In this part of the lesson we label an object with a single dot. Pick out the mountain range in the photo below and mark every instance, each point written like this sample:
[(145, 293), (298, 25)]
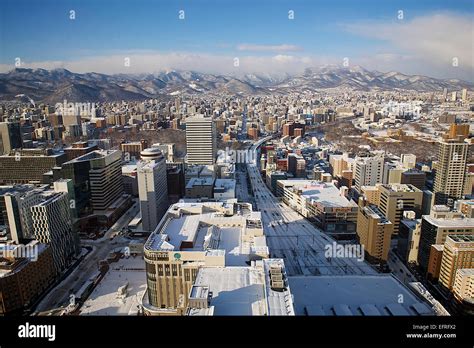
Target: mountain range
[(52, 86)]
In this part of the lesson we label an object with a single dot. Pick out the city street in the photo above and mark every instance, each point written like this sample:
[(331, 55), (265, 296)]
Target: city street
[(293, 238)]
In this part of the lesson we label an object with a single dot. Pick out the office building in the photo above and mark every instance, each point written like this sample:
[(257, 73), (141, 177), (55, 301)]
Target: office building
[(437, 226), (15, 216), (409, 238), (458, 254), (10, 137), (52, 225), (368, 171), (200, 140), (463, 287), (397, 198), (78, 149), (152, 188), (105, 177), (200, 188), (26, 271), (194, 235), (131, 150), (374, 232), (28, 165), (450, 170), (322, 203)]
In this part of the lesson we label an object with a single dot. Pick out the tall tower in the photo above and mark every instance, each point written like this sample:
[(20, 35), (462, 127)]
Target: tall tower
[(369, 171), (450, 170), (52, 224), (152, 187), (200, 140)]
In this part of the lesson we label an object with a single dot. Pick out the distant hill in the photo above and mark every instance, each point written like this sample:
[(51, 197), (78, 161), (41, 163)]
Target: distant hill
[(52, 86)]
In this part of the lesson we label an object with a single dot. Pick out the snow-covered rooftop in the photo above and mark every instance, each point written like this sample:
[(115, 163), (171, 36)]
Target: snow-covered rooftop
[(379, 295), (104, 301)]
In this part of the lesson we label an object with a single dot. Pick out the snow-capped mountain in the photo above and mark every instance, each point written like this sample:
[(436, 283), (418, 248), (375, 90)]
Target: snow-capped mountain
[(56, 85)]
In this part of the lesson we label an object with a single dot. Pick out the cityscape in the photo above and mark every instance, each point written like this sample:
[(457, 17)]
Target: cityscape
[(170, 159)]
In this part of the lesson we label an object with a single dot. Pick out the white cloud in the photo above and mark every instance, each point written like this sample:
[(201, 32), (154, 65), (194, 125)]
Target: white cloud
[(148, 62), (270, 48), (426, 44)]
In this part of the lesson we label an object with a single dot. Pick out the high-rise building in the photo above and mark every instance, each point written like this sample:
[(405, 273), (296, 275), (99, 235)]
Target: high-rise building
[(450, 170), (52, 224), (15, 215), (437, 226), (10, 137), (409, 238), (204, 236), (464, 94), (374, 232), (397, 198), (454, 96), (337, 164), (458, 254), (105, 177), (24, 275), (368, 171), (408, 160), (28, 165), (152, 187), (463, 287), (200, 140)]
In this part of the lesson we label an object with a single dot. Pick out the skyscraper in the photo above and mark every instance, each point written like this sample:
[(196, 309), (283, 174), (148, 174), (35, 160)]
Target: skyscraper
[(200, 140), (152, 187), (105, 177), (374, 232), (458, 254), (368, 171), (52, 224), (10, 137), (397, 198), (450, 170)]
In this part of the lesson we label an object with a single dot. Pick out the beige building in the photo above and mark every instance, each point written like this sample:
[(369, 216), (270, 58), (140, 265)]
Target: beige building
[(435, 228), (194, 235), (450, 170), (338, 164), (394, 199), (464, 284), (434, 263), (374, 232), (321, 202), (458, 253)]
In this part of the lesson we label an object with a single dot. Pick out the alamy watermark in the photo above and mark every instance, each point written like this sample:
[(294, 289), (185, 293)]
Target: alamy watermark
[(28, 251), (74, 109), (236, 156), (353, 251)]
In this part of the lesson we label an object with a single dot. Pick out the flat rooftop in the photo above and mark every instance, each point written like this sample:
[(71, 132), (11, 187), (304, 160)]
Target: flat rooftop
[(316, 191), (103, 300), (454, 223), (190, 226), (235, 290), (355, 296), (400, 188), (204, 181)]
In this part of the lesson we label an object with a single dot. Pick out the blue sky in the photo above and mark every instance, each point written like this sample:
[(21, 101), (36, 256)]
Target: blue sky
[(105, 31)]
